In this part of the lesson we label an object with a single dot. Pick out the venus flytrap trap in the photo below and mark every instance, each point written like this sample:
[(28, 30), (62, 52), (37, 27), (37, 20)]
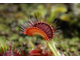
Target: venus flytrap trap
[(65, 17), (40, 50), (36, 27), (11, 51), (41, 11), (55, 10)]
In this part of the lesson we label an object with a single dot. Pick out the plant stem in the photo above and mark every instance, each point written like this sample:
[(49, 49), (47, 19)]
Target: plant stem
[(53, 48), (32, 45)]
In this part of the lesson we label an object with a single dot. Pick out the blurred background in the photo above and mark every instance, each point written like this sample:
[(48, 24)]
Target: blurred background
[(67, 15)]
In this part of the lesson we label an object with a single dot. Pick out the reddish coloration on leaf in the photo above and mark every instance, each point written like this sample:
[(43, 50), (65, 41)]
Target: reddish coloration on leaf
[(36, 52), (33, 31), (46, 28), (41, 28), (10, 52), (40, 52)]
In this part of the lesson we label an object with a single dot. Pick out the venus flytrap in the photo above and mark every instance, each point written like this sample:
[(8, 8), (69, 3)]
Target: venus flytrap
[(11, 51), (55, 12), (35, 27)]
